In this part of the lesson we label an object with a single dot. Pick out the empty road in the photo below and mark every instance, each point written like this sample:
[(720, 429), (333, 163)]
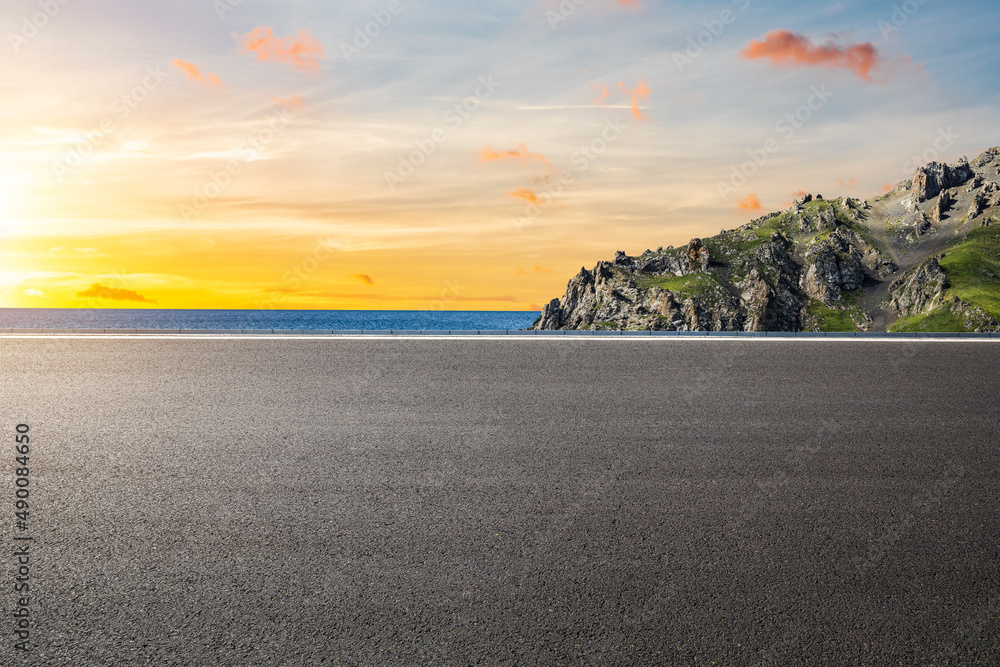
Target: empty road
[(256, 501)]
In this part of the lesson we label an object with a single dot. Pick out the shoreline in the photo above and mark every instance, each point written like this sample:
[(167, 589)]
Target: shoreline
[(494, 334)]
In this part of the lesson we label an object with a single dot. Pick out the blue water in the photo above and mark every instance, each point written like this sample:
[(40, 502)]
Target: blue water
[(422, 320)]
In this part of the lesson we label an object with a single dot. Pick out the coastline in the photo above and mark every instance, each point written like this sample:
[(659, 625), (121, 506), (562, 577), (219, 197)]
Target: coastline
[(522, 333)]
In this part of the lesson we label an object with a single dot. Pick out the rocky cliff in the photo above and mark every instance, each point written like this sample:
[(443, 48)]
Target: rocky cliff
[(923, 257)]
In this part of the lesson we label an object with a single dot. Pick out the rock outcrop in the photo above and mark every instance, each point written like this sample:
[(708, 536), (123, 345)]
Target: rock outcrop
[(919, 290), (698, 255), (755, 283), (978, 205), (942, 206), (930, 180), (768, 284), (923, 290), (819, 265)]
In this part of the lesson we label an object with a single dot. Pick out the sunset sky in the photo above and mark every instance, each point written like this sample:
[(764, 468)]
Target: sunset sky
[(458, 156)]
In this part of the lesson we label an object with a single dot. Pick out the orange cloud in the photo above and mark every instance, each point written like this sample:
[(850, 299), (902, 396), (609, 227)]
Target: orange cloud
[(784, 47), (99, 291), (603, 93), (799, 194), (641, 92), (888, 187), (526, 195), (535, 269), (520, 152), (193, 72), (302, 51), (852, 183), (364, 277), (293, 102), (750, 203)]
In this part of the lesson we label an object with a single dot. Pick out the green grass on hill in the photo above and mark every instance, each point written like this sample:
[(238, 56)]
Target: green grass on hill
[(695, 284), (818, 237), (973, 269), (941, 320), (817, 205), (831, 320)]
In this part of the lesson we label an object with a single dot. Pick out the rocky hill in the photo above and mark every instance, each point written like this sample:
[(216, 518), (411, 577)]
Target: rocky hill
[(924, 257)]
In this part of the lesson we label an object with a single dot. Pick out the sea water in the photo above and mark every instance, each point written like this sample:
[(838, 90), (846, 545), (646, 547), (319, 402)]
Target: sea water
[(411, 320)]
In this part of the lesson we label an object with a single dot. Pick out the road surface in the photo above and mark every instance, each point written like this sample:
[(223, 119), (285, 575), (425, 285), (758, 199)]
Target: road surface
[(242, 501)]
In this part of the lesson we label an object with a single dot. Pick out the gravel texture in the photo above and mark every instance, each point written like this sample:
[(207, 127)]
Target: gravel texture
[(515, 502)]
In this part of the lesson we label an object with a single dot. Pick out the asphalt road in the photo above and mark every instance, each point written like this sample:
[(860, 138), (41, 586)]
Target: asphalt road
[(515, 502)]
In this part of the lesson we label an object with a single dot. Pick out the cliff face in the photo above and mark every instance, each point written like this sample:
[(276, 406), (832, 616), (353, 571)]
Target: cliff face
[(821, 265)]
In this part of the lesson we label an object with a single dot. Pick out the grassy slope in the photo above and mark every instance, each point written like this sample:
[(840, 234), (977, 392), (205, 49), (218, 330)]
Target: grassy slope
[(729, 245), (939, 321), (973, 269), (831, 320), (695, 284), (825, 319), (972, 266)]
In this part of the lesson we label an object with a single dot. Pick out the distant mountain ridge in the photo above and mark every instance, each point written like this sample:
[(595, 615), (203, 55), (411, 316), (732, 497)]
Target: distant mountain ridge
[(923, 257)]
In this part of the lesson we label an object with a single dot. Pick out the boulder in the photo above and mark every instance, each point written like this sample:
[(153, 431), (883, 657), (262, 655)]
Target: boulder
[(931, 179), (919, 290), (551, 317), (978, 205), (699, 255), (832, 265), (941, 207), (799, 203), (975, 183)]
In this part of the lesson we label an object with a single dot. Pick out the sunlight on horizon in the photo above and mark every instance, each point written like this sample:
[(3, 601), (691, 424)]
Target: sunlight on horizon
[(257, 160)]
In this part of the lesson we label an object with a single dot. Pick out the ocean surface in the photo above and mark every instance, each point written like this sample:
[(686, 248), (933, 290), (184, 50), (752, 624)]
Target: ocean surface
[(411, 320)]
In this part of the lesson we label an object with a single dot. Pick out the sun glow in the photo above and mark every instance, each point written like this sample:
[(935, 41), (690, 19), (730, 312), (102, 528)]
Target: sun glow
[(6, 210), (5, 199), (8, 199)]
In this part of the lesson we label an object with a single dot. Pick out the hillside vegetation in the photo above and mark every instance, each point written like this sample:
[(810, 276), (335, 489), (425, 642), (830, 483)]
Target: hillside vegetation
[(924, 257)]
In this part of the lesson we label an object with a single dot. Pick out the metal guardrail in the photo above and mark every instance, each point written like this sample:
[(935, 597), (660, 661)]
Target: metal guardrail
[(529, 333)]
